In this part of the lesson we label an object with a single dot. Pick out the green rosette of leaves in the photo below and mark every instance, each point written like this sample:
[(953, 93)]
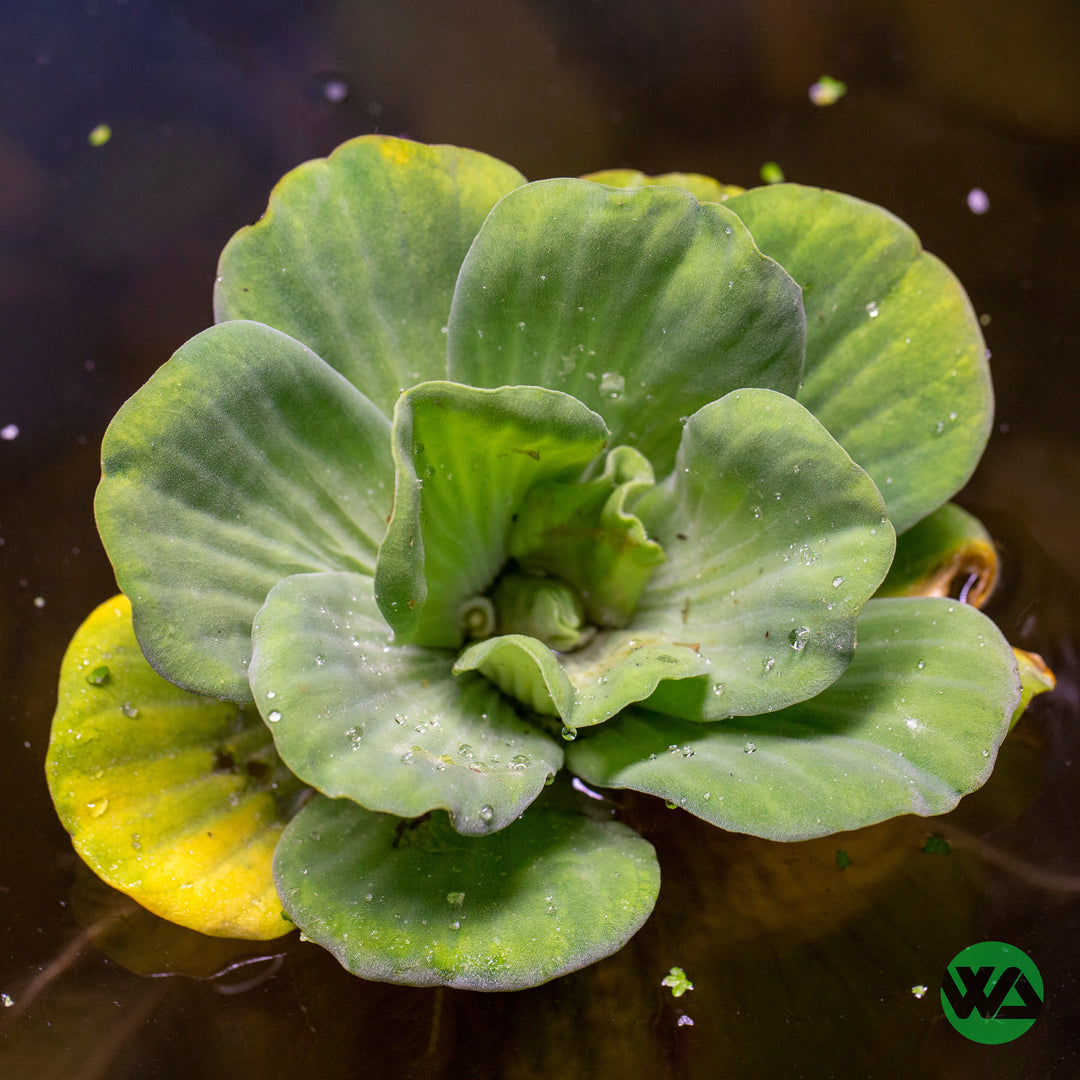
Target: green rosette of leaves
[(474, 480)]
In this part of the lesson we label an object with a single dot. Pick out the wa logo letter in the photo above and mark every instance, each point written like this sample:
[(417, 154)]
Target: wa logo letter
[(991, 992)]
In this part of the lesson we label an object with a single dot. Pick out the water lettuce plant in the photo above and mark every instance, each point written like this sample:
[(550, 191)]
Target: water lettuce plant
[(482, 495)]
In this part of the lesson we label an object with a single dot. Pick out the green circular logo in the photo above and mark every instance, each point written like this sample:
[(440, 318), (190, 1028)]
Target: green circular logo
[(991, 992)]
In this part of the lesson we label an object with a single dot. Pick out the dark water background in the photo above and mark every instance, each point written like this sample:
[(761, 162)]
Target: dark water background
[(107, 257)]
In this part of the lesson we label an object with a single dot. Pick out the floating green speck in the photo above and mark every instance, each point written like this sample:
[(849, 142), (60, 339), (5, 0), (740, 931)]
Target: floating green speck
[(771, 173), (843, 859), (100, 135), (936, 845), (99, 676), (677, 981), (827, 91)]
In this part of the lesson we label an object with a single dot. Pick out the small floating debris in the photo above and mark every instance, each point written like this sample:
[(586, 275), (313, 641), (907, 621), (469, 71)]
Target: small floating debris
[(677, 982), (100, 135), (827, 91), (771, 173), (332, 87), (978, 201), (99, 676)]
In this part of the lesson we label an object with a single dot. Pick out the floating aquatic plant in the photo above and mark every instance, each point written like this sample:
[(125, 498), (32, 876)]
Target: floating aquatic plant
[(477, 484)]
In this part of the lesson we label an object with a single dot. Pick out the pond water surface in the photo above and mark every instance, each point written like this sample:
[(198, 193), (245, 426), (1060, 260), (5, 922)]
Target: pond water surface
[(107, 256)]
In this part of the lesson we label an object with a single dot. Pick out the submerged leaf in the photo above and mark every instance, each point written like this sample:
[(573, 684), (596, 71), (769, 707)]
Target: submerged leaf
[(174, 799), (384, 724), (912, 725), (644, 304), (415, 902), (148, 945)]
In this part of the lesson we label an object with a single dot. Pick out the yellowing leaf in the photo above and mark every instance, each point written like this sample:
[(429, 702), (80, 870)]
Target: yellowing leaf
[(175, 799)]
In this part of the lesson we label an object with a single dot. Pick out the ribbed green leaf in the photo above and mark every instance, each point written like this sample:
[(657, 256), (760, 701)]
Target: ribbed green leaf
[(644, 304), (912, 725), (417, 903), (358, 253), (774, 540), (896, 365), (588, 535), (388, 725), (244, 459), (589, 685), (465, 459)]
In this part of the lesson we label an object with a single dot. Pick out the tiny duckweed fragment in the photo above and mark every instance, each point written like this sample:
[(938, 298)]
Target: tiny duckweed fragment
[(843, 859), (936, 845), (827, 91), (771, 173), (99, 676), (677, 982)]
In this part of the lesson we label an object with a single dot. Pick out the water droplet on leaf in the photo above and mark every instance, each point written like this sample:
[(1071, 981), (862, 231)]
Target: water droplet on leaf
[(611, 382)]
